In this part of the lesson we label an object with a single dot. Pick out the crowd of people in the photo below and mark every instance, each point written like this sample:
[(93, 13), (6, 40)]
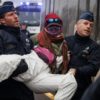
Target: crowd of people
[(48, 61)]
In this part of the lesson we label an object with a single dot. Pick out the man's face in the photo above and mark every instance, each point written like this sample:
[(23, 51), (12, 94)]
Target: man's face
[(84, 27), (11, 19)]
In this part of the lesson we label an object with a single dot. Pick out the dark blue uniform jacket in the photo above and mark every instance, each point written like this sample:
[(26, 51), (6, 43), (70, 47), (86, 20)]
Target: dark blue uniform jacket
[(12, 41), (85, 57)]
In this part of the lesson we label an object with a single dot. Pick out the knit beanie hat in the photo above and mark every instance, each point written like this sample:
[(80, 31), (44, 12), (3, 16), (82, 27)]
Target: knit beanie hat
[(52, 18)]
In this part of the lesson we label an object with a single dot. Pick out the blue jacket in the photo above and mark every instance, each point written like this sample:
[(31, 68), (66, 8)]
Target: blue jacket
[(85, 58), (13, 41)]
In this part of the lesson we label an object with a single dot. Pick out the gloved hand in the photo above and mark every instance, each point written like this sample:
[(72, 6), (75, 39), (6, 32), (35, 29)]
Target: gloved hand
[(21, 68)]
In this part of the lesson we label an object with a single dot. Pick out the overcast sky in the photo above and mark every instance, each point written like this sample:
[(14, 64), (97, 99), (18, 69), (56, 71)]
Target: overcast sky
[(17, 2)]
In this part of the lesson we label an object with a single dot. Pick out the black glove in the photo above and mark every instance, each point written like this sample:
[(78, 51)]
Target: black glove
[(84, 53), (21, 68)]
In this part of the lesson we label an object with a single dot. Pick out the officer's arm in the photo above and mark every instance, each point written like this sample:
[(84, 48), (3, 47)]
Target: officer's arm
[(21, 68), (7, 71), (93, 65)]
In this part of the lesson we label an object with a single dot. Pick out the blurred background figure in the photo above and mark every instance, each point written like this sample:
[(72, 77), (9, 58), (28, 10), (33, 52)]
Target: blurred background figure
[(24, 29)]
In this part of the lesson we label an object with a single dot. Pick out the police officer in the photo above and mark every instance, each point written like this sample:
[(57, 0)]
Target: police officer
[(12, 41), (24, 29), (85, 53)]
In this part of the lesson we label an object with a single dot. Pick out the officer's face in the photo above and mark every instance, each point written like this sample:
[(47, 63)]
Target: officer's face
[(84, 27), (11, 19)]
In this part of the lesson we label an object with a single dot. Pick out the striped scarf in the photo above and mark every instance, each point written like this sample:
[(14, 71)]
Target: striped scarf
[(58, 46)]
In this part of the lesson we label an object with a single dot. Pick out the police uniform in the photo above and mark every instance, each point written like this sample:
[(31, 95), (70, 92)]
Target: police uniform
[(14, 42), (85, 58)]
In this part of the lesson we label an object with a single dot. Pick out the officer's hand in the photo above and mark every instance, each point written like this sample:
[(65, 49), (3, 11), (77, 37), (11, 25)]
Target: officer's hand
[(21, 68)]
